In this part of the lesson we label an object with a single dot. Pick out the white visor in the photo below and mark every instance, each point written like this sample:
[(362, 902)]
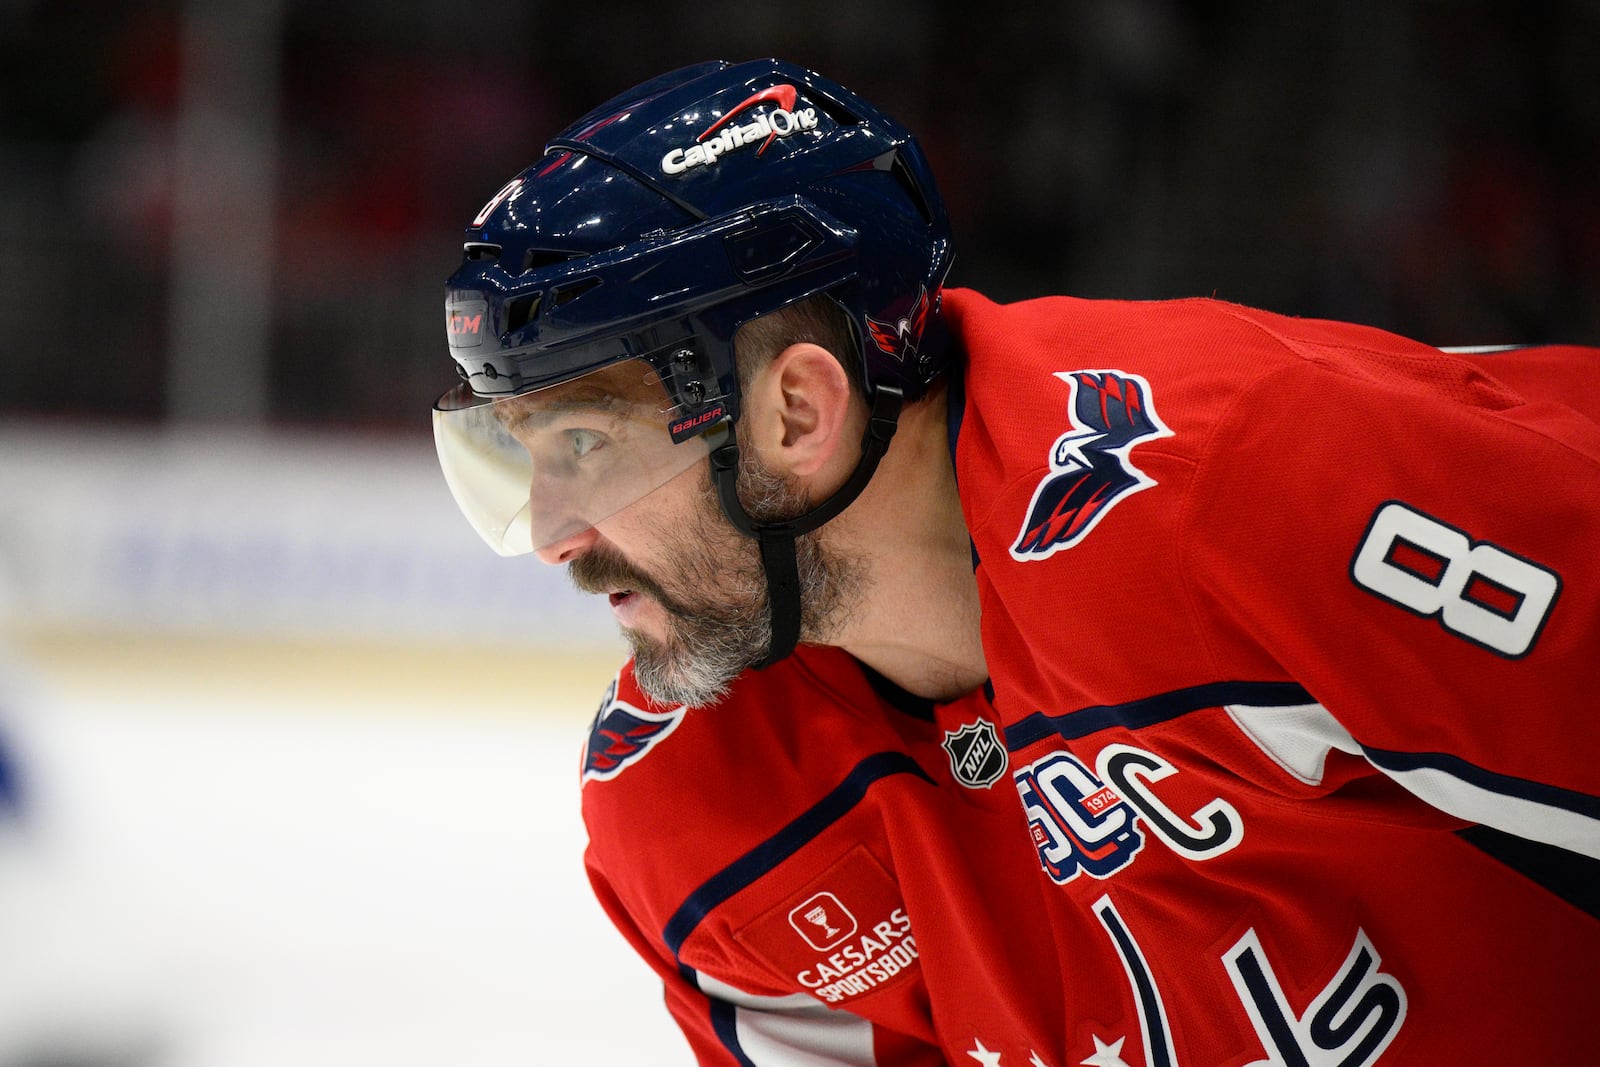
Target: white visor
[(531, 470)]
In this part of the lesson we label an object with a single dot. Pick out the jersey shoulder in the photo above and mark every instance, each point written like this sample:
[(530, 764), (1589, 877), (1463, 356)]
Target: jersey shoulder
[(1061, 385), (672, 795)]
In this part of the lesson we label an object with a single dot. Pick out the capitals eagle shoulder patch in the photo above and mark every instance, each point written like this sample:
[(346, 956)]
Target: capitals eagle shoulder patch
[(1090, 468), (622, 734)]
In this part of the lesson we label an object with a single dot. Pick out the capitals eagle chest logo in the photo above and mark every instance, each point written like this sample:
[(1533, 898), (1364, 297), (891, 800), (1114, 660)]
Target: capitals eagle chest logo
[(622, 734), (1090, 469)]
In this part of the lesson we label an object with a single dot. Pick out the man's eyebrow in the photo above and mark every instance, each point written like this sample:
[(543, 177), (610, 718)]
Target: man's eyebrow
[(524, 411)]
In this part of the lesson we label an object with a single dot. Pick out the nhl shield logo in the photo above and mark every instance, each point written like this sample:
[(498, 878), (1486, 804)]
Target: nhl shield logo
[(977, 758)]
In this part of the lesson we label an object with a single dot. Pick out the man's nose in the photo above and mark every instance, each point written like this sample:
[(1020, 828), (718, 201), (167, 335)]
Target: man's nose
[(569, 546)]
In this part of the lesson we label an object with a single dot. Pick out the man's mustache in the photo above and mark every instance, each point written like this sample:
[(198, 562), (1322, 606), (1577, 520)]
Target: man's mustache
[(596, 571)]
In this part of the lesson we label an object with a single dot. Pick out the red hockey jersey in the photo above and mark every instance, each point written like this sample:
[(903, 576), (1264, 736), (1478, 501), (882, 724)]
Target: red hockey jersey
[(1293, 635), (1294, 632), (821, 869)]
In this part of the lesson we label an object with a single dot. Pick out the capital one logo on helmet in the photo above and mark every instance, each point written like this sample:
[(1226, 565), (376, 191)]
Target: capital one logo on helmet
[(784, 120)]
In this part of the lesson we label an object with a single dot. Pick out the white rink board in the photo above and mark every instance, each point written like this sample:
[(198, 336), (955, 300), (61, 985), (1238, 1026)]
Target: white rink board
[(262, 533)]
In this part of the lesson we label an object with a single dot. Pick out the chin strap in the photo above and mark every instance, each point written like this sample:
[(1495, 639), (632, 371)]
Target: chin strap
[(776, 537)]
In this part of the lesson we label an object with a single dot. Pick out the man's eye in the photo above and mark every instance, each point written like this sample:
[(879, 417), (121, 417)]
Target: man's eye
[(584, 441)]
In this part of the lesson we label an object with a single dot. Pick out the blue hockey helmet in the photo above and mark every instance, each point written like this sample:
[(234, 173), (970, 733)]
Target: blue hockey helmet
[(666, 218), (592, 320)]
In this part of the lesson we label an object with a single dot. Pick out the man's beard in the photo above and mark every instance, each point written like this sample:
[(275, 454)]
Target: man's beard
[(719, 623)]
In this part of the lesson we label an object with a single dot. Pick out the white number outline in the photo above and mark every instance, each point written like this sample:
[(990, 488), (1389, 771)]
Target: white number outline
[(1512, 637)]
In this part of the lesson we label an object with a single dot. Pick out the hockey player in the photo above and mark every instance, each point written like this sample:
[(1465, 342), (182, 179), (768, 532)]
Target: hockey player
[(1289, 626)]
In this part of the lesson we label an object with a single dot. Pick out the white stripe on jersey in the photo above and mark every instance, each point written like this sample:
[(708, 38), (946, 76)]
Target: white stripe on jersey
[(794, 1031), (1299, 739), (1515, 815)]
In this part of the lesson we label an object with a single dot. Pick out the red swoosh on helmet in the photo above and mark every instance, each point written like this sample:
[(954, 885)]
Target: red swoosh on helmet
[(782, 95)]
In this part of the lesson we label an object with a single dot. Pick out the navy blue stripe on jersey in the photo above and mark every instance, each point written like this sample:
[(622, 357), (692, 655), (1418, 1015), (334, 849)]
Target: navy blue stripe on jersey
[(1551, 796), (955, 410), (725, 1023), (1573, 877), (901, 700), (761, 860), (1152, 1014), (955, 413), (1149, 711)]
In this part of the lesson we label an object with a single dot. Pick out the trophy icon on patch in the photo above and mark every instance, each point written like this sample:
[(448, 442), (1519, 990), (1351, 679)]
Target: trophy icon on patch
[(818, 916), (823, 921)]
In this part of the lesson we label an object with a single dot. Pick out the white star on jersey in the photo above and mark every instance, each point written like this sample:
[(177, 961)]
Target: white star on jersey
[(1106, 1055), (983, 1055)]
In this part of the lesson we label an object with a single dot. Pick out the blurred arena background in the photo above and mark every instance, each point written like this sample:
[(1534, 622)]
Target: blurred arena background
[(287, 759)]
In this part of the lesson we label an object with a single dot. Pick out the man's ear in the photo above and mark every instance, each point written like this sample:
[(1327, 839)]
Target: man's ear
[(799, 407)]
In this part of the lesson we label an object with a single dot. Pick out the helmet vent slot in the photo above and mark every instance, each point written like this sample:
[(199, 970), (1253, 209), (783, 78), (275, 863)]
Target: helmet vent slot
[(534, 258), (481, 250), (834, 109), (902, 172), (571, 291), (520, 310)]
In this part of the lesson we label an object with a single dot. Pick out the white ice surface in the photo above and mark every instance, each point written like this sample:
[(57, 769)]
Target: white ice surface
[(206, 878)]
